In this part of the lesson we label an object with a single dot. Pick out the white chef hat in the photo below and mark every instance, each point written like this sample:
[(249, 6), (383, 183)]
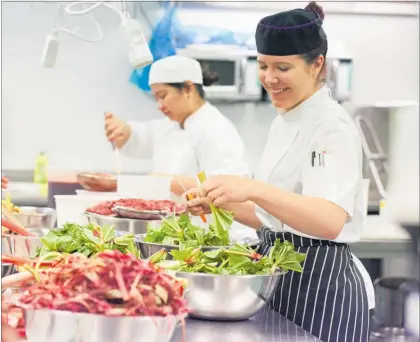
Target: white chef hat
[(176, 69)]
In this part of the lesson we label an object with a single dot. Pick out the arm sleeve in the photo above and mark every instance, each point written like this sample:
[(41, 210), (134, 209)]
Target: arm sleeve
[(223, 152), (332, 169), (140, 144)]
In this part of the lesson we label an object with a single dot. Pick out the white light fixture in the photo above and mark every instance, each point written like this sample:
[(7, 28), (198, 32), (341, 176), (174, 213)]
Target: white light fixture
[(139, 53)]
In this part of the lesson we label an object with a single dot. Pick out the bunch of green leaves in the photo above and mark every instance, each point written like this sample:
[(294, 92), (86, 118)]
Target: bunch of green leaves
[(87, 240), (237, 260), (177, 230), (223, 219)]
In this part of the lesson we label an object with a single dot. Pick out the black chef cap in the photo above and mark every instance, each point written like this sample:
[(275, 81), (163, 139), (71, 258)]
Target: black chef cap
[(292, 32)]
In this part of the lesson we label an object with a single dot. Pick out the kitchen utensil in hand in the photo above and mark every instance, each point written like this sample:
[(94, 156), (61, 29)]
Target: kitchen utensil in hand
[(117, 158), (189, 196)]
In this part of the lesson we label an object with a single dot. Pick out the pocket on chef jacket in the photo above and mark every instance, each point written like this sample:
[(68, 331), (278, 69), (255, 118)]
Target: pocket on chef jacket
[(332, 169)]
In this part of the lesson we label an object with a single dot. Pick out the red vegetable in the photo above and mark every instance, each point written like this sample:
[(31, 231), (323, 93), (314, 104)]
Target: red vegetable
[(112, 284)]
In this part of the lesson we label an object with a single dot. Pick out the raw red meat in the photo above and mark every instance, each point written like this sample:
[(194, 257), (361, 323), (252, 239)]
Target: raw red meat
[(106, 208)]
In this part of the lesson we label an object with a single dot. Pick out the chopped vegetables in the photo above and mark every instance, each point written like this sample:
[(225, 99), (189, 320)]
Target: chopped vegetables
[(180, 230), (87, 240), (237, 260), (110, 283)]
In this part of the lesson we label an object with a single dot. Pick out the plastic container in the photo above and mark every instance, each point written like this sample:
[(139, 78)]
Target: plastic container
[(82, 192), (61, 182), (71, 208), (146, 187)]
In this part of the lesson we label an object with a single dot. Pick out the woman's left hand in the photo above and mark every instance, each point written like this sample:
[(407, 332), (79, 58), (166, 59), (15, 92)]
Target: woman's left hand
[(228, 189), (4, 182)]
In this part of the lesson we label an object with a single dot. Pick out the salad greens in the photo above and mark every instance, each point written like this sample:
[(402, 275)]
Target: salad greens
[(87, 240), (237, 260), (178, 230)]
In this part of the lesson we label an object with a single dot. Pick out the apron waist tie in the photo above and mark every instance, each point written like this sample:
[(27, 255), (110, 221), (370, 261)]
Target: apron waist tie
[(269, 236)]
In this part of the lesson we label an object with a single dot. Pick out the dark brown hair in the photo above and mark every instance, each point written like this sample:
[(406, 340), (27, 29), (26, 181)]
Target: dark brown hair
[(208, 79), (317, 9), (311, 56)]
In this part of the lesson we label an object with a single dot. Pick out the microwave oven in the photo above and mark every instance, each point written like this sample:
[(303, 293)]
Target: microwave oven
[(237, 72)]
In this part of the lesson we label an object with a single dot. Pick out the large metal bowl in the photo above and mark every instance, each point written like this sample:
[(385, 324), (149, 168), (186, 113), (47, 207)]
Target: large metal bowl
[(149, 248), (26, 246), (33, 217), (95, 181), (123, 224), (228, 297), (64, 326)]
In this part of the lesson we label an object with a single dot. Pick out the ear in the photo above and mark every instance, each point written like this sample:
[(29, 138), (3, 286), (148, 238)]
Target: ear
[(189, 87), (318, 64)]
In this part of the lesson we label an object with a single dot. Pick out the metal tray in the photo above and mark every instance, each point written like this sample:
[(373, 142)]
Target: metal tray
[(127, 212)]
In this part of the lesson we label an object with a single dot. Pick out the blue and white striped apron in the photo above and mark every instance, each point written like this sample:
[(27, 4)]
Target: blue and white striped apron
[(328, 299)]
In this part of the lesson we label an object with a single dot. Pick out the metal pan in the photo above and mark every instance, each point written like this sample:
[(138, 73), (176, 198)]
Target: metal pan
[(141, 214)]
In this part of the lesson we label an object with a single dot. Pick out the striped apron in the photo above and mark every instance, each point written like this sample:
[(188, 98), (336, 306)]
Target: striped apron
[(328, 299)]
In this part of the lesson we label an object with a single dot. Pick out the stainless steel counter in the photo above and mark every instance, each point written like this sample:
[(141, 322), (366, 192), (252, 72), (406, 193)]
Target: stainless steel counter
[(266, 326)]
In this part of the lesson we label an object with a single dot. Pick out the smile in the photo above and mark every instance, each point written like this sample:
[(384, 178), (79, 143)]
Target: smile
[(279, 90)]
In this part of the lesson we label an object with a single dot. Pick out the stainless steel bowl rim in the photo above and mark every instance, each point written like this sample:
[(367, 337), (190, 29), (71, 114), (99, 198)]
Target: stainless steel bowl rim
[(140, 239), (114, 218), (230, 276), (15, 300), (40, 211), (31, 230)]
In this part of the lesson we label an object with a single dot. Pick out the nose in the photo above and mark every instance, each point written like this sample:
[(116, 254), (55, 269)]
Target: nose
[(270, 77), (160, 106)]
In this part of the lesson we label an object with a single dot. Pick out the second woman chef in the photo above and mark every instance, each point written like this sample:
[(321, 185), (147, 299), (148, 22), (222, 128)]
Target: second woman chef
[(194, 137), (308, 186)]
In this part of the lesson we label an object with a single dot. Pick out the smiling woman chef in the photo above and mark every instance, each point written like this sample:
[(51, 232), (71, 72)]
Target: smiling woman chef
[(308, 186), (196, 137)]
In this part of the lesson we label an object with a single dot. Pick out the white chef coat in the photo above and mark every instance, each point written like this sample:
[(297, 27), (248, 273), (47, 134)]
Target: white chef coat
[(322, 127), (209, 142)]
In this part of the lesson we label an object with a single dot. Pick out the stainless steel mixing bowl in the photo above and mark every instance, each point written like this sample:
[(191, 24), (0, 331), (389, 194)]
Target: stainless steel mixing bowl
[(33, 217), (228, 297), (26, 246), (149, 248), (64, 326), (122, 224)]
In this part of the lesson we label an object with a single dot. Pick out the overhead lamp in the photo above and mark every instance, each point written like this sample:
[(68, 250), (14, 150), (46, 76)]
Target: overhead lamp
[(139, 54)]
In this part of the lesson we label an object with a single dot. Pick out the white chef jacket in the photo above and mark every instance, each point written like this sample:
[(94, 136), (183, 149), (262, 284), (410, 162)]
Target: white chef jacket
[(209, 142), (315, 150)]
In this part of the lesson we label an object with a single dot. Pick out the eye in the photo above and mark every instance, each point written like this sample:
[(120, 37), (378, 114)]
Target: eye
[(262, 67), (283, 69)]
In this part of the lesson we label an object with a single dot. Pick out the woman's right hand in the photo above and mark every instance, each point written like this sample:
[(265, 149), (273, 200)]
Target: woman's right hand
[(196, 203), (117, 131)]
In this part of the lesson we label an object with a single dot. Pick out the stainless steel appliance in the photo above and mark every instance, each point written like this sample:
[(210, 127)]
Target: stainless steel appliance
[(376, 126), (235, 67), (397, 299)]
